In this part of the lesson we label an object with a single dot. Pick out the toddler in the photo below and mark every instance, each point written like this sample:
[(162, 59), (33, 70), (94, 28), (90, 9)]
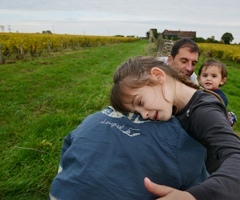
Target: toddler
[(212, 75)]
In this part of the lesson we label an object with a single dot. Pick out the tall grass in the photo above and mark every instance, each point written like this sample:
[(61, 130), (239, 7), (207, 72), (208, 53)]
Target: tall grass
[(44, 99)]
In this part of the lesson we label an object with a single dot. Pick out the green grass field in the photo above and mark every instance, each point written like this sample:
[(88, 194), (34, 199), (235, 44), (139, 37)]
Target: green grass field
[(44, 99)]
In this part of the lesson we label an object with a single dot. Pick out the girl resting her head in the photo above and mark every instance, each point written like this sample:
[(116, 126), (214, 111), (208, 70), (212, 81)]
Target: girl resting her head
[(150, 87)]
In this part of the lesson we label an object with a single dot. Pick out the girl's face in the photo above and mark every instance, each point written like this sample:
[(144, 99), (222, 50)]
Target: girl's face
[(211, 78), (151, 104)]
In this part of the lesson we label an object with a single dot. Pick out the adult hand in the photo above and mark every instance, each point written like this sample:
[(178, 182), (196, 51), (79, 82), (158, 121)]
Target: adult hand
[(165, 192)]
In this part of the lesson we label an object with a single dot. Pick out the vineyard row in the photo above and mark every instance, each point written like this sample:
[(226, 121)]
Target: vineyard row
[(222, 51), (20, 45)]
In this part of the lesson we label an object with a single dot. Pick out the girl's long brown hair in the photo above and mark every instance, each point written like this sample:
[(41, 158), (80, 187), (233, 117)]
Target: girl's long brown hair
[(135, 73)]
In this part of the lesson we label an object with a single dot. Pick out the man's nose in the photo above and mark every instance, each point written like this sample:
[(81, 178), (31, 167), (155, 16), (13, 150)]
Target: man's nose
[(189, 67)]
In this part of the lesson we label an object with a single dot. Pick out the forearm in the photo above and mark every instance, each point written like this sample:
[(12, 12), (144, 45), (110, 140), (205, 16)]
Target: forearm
[(223, 184)]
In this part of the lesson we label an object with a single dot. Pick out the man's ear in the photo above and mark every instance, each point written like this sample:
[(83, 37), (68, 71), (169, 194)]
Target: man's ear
[(158, 74), (170, 60)]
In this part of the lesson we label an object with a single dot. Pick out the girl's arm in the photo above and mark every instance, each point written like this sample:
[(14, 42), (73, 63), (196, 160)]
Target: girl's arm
[(210, 126)]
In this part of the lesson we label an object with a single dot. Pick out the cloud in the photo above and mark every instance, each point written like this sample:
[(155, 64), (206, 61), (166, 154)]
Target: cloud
[(124, 17)]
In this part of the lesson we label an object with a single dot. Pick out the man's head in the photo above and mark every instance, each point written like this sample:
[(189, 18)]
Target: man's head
[(184, 56)]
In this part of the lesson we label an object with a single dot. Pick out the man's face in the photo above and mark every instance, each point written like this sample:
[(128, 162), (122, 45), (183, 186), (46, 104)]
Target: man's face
[(185, 61)]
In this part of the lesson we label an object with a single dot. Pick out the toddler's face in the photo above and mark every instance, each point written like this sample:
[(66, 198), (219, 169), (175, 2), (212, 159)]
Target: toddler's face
[(211, 77)]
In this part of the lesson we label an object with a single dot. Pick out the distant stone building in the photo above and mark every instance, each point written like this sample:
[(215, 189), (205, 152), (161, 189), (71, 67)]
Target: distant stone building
[(178, 34)]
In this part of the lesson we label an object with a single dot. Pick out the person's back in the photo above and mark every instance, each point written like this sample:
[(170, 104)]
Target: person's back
[(107, 157)]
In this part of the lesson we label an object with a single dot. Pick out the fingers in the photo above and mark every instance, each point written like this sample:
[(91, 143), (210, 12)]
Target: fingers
[(159, 190), (165, 192)]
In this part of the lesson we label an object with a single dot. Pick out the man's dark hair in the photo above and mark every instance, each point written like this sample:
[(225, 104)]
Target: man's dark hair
[(184, 42)]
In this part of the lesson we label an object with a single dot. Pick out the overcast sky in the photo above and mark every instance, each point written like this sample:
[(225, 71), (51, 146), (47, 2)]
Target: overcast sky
[(122, 17)]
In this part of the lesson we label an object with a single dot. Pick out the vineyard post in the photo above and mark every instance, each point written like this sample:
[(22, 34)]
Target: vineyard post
[(49, 48), (1, 59), (21, 50)]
